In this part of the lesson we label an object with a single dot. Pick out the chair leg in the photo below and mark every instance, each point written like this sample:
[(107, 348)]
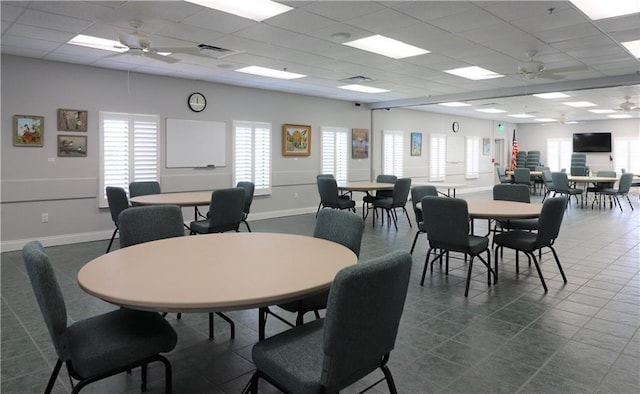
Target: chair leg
[(53, 377), (629, 200), (426, 263), (415, 239), (407, 215), (390, 383), (466, 288), (247, 224), (225, 318), (113, 236), (535, 261), (555, 255)]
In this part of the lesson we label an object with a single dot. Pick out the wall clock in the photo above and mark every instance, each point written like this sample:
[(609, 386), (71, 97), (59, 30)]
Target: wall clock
[(455, 126), (197, 102)]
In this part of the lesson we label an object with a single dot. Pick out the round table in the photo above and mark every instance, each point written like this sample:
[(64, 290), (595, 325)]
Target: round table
[(498, 209), (182, 199)]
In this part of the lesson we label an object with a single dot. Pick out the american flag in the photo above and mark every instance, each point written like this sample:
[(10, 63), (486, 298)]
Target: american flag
[(514, 151)]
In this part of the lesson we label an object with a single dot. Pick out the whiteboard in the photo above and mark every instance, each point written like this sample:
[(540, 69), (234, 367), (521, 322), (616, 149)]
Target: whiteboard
[(196, 143), (455, 149)]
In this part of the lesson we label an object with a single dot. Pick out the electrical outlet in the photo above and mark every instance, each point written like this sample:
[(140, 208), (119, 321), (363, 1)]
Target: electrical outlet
[(45, 218)]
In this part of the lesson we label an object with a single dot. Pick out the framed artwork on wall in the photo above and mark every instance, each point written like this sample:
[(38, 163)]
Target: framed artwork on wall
[(296, 140), (72, 146), (359, 143), (416, 144), (72, 120), (486, 146), (28, 130)]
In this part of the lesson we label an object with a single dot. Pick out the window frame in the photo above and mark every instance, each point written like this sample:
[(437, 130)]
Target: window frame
[(258, 131), (393, 157)]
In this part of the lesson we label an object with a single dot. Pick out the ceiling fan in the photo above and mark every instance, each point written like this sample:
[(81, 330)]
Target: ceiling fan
[(534, 69), (138, 44), (628, 106)]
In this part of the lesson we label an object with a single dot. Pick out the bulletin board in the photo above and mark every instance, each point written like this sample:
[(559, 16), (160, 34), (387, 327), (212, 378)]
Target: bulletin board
[(196, 143)]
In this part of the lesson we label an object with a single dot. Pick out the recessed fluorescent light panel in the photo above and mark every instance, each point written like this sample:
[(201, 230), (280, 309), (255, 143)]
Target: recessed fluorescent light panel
[(269, 72), (633, 47), (386, 46), (258, 10), (602, 111), (598, 9), (520, 116), (455, 104), (97, 43), (580, 104), (491, 111), (545, 120), (620, 116), (474, 73), (552, 95), (363, 89)]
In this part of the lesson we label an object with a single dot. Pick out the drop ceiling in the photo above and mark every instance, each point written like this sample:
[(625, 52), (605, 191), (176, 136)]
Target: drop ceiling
[(495, 35)]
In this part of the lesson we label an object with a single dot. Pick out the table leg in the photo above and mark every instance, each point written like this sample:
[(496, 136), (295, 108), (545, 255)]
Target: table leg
[(262, 322)]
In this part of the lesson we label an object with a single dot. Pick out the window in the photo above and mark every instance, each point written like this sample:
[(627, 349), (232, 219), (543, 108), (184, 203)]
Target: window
[(128, 150), (626, 153), (392, 143), (334, 152), (252, 155), (559, 153), (437, 160), (472, 157)]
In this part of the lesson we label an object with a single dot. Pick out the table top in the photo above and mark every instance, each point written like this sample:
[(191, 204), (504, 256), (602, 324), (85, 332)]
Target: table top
[(183, 199), (499, 209), (589, 179), (445, 185), (215, 272), (364, 186), (531, 173)]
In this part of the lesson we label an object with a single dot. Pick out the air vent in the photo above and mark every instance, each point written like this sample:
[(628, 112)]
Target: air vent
[(216, 52), (357, 79)]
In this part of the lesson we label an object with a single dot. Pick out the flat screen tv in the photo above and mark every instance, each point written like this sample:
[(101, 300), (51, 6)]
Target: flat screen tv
[(592, 142)]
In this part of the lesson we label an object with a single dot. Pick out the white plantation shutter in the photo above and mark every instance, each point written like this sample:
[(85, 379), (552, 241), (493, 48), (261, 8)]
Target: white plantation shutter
[(392, 153), (627, 155), (252, 155), (559, 153), (129, 150), (437, 159), (472, 157), (334, 152)]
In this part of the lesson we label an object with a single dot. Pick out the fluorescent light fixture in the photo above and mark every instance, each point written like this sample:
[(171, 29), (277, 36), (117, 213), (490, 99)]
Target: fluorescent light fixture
[(491, 110), (602, 111), (474, 73), (572, 122), (97, 43), (545, 120), (269, 72), (620, 116), (455, 104), (258, 10), (633, 47), (598, 9), (520, 116), (386, 46), (363, 89), (580, 104), (552, 95)]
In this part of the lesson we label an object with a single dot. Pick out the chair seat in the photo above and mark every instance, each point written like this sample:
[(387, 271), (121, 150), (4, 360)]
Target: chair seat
[(574, 190), (519, 240), (385, 203), (519, 224), (477, 244), (311, 303), (342, 203), (293, 358), (202, 227), (107, 342)]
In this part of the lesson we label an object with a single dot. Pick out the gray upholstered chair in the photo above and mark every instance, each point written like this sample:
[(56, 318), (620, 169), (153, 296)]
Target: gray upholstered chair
[(517, 193), (355, 338), (249, 189), (401, 190), (502, 176), (548, 184), (417, 193), (379, 194), (561, 184), (143, 188), (329, 198), (623, 189), (118, 202), (522, 176), (447, 223), (150, 223), (528, 242), (342, 227), (226, 211), (597, 187), (100, 346)]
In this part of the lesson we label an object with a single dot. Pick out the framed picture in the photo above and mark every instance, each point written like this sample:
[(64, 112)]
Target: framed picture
[(72, 120), (416, 144), (359, 143), (28, 130), (486, 146), (296, 140), (72, 146)]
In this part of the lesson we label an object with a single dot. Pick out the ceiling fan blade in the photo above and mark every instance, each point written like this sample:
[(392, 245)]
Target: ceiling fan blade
[(563, 70), (162, 58), (551, 76)]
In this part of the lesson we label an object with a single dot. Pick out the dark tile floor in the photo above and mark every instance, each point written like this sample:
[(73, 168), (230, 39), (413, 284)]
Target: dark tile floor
[(578, 338)]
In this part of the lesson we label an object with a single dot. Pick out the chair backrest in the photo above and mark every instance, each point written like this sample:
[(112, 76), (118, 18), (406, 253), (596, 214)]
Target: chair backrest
[(447, 223), (150, 223), (560, 181), (417, 194), (548, 181), (550, 220), (118, 201), (249, 189), (578, 170), (328, 189), (501, 174), (48, 294), (363, 313), (578, 160), (401, 190), (225, 209), (606, 173), (522, 175), (519, 193), (385, 178), (626, 180), (330, 176), (339, 226), (143, 188)]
